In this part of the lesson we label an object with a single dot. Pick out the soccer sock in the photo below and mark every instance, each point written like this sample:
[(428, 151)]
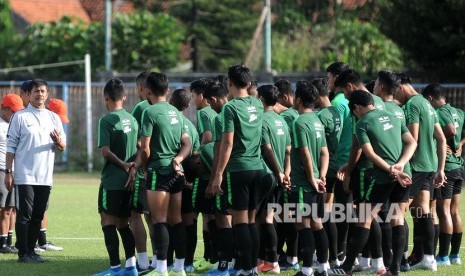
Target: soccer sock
[(112, 243), (3, 241), (281, 232), (243, 243), (342, 232), (225, 247), (42, 237), (191, 235), (375, 240), (179, 240), (444, 244), (270, 242), (255, 239), (206, 244), (306, 246), (162, 238), (178, 265), (154, 261), (455, 242), (143, 260), (426, 225), (9, 239), (213, 257), (398, 243), (321, 245), (291, 241), (436, 238), (386, 233), (417, 239), (170, 252), (128, 241), (359, 238), (405, 256), (331, 233), (162, 266), (263, 242)]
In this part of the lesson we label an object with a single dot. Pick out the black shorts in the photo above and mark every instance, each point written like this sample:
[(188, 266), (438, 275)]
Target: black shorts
[(221, 204), (243, 189), (457, 188), (139, 197), (186, 202), (266, 193), (454, 181), (201, 203), (391, 192), (302, 199), (359, 182), (7, 198), (114, 202), (170, 183), (330, 183), (421, 181)]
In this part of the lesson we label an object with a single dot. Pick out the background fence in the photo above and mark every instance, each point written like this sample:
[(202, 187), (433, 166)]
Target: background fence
[(73, 93)]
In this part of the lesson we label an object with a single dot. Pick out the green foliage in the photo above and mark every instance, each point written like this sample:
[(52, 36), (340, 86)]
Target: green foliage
[(431, 32), (6, 34), (6, 25)]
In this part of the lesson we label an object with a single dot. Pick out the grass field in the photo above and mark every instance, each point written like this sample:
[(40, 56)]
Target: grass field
[(74, 224)]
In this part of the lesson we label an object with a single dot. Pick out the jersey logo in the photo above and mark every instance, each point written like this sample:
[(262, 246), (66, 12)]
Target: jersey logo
[(172, 113), (318, 135), (280, 131), (251, 109), (278, 123), (399, 114), (387, 126), (126, 125), (127, 129), (252, 118), (384, 119), (174, 121)]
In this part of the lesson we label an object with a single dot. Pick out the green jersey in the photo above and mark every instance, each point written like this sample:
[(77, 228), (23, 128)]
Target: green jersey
[(189, 128), (419, 111), (289, 116), (379, 104), (307, 131), (137, 111), (276, 134), (451, 115), (244, 117), (345, 142), (218, 128), (117, 130), (395, 110), (384, 132), (164, 124), (331, 120), (205, 117), (206, 154)]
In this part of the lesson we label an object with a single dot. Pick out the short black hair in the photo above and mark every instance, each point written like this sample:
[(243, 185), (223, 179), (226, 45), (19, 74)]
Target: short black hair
[(142, 77), (435, 90), (370, 86), (240, 76), (36, 83), (114, 89), (404, 78), (216, 89), (307, 93), (157, 83), (180, 98), (322, 86), (284, 87), (346, 77), (269, 93), (360, 97), (337, 68), (222, 79), (389, 80), (198, 86), (26, 86)]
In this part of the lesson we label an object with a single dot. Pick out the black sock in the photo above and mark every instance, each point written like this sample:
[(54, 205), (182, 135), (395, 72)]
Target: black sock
[(386, 233), (42, 237), (428, 234), (281, 232), (162, 240), (306, 246), (358, 239), (444, 244), (417, 239), (455, 242), (225, 241), (255, 238), (2, 241), (112, 243), (191, 236), (342, 232), (375, 240), (213, 257), (243, 243), (366, 250), (170, 252), (206, 245), (270, 242), (129, 244), (436, 238), (398, 242), (9, 238), (263, 242), (179, 240), (291, 240), (321, 245), (331, 233), (407, 232)]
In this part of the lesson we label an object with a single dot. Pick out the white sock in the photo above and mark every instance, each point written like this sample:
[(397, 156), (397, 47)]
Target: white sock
[(292, 260), (143, 260), (364, 262), (178, 265), (406, 254), (307, 270), (322, 267), (131, 262), (274, 263), (232, 263), (115, 266), (377, 263), (154, 261), (428, 258), (162, 266)]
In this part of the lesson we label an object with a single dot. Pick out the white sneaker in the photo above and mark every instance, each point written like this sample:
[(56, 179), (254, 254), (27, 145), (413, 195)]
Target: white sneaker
[(50, 247), (37, 249), (335, 263), (371, 270), (425, 265)]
